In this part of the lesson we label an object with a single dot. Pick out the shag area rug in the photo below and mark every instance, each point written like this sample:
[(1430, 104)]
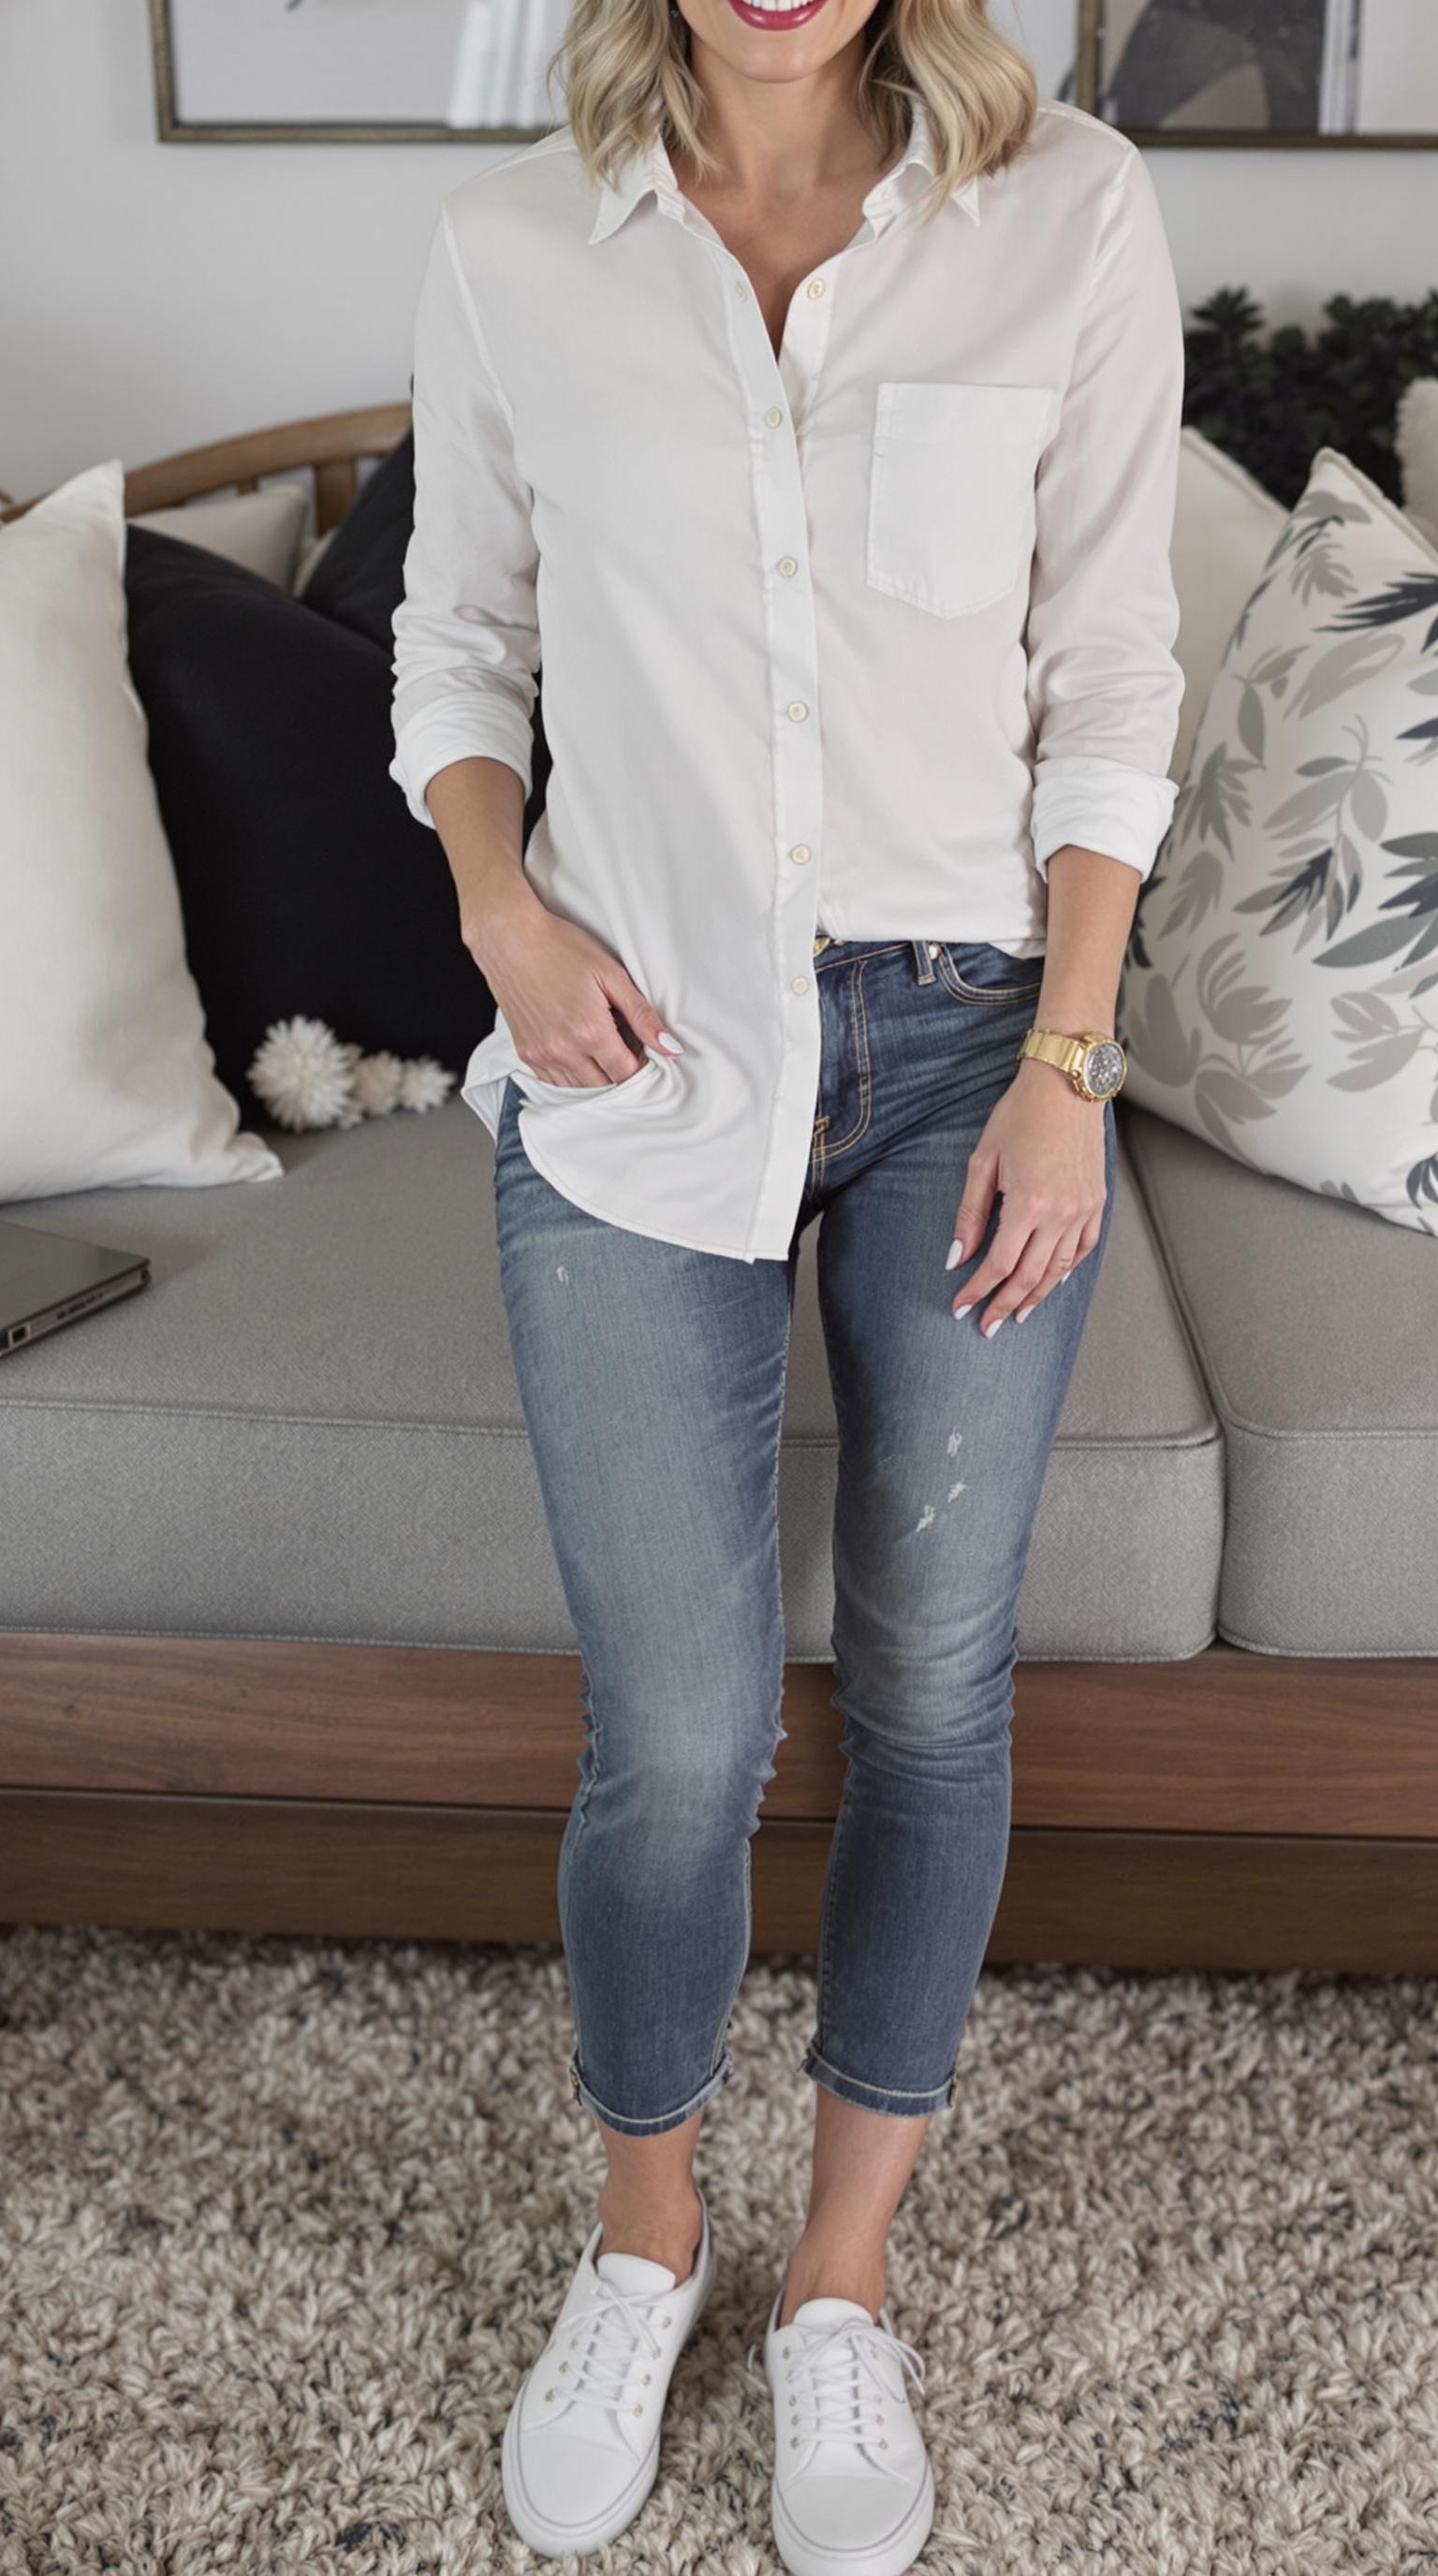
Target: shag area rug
[(282, 2222)]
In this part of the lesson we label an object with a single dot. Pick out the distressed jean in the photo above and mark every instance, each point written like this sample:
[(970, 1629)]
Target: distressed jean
[(652, 1384)]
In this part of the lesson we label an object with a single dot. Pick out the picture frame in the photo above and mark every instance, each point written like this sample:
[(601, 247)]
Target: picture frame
[(261, 71), (1328, 75)]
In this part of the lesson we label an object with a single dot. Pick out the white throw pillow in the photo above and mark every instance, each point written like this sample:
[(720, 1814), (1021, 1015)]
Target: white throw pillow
[(105, 1074), (1415, 440), (1224, 524), (1280, 992), (310, 553), (263, 531)]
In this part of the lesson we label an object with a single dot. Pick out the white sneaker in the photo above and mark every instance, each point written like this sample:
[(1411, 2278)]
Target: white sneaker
[(853, 2489), (581, 2445)]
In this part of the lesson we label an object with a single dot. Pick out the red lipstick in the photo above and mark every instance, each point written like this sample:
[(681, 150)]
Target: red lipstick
[(772, 18)]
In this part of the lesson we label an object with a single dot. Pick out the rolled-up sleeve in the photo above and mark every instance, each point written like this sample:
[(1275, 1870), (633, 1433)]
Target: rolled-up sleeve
[(1104, 685), (466, 643)]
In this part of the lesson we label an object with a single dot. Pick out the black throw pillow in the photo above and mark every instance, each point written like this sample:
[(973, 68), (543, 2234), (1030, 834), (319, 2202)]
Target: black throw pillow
[(359, 579), (305, 882)]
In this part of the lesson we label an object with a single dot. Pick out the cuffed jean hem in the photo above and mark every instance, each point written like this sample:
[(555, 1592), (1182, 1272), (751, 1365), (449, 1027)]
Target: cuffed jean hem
[(872, 2097), (666, 2119)]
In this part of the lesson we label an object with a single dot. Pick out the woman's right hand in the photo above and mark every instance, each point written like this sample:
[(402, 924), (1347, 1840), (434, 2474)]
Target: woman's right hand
[(559, 989)]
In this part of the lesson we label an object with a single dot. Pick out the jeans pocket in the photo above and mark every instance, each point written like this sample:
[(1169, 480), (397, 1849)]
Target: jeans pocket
[(534, 1087), (976, 971)]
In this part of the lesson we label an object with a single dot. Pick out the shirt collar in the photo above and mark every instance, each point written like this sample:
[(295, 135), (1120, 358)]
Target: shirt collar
[(650, 172)]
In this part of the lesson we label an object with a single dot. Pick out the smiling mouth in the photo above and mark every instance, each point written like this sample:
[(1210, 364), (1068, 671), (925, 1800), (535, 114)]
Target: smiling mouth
[(777, 13)]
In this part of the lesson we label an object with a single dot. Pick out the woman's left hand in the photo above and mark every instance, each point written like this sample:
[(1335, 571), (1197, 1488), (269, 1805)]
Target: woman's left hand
[(1043, 1150)]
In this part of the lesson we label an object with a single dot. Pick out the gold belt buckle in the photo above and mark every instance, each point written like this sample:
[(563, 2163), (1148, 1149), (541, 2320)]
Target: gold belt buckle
[(822, 940)]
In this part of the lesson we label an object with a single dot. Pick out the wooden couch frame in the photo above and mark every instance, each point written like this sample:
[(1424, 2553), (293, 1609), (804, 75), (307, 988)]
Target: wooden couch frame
[(329, 449), (1234, 1810)]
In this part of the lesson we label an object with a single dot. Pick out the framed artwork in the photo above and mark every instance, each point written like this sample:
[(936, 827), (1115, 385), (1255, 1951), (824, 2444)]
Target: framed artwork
[(356, 71), (1325, 72)]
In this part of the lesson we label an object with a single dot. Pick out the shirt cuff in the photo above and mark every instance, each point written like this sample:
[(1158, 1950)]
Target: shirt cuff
[(1100, 805), (432, 737)]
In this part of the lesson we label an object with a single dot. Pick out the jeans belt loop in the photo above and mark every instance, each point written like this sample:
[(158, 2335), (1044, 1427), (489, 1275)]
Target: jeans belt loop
[(924, 960)]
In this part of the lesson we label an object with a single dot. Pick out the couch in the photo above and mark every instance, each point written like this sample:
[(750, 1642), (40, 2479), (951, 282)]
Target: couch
[(282, 1642)]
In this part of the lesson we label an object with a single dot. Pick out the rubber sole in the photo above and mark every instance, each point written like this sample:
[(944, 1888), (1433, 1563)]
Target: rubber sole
[(898, 2553), (571, 2541)]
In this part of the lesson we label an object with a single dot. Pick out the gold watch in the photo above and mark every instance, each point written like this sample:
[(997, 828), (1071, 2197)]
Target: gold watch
[(1094, 1062)]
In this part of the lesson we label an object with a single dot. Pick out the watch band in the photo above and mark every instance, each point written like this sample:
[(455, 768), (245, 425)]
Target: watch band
[(1070, 1055)]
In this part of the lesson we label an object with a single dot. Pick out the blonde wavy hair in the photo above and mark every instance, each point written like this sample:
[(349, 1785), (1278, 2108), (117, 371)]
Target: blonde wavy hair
[(624, 68)]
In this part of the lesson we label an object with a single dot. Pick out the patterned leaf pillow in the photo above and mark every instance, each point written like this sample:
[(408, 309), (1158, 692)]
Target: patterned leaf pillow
[(1280, 991)]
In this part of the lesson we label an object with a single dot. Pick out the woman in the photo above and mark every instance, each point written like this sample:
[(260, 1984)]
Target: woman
[(813, 396)]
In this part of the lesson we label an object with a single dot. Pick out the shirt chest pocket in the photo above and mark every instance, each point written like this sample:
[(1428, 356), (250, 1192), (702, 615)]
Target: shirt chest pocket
[(951, 481)]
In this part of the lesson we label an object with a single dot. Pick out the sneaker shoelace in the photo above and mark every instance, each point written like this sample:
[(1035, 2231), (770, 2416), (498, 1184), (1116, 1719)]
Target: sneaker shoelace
[(841, 2390), (612, 2330)]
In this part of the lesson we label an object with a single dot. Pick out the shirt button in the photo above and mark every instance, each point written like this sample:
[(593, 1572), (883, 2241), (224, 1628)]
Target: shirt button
[(816, 286), (740, 288), (787, 565), (800, 984), (798, 711), (774, 417), (801, 854)]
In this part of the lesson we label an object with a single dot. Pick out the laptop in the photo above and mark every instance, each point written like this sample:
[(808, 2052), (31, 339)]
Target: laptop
[(48, 1279)]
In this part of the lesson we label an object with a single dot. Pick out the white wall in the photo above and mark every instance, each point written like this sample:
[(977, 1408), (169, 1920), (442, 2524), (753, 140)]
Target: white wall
[(153, 296)]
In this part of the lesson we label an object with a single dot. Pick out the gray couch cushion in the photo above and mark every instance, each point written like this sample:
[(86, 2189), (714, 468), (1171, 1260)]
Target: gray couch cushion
[(1316, 1323), (308, 1426)]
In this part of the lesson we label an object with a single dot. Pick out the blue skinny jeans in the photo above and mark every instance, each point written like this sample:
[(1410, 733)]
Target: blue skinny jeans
[(652, 1383)]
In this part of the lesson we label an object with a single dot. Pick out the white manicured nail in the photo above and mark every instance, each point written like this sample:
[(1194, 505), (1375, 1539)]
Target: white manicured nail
[(991, 1329), (1023, 1314), (954, 1255), (963, 1310), (671, 1043)]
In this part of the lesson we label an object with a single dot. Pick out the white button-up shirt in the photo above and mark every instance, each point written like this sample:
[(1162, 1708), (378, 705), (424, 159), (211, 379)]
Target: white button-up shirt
[(850, 639)]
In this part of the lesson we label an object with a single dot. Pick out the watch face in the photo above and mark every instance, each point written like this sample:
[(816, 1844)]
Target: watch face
[(1103, 1068)]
